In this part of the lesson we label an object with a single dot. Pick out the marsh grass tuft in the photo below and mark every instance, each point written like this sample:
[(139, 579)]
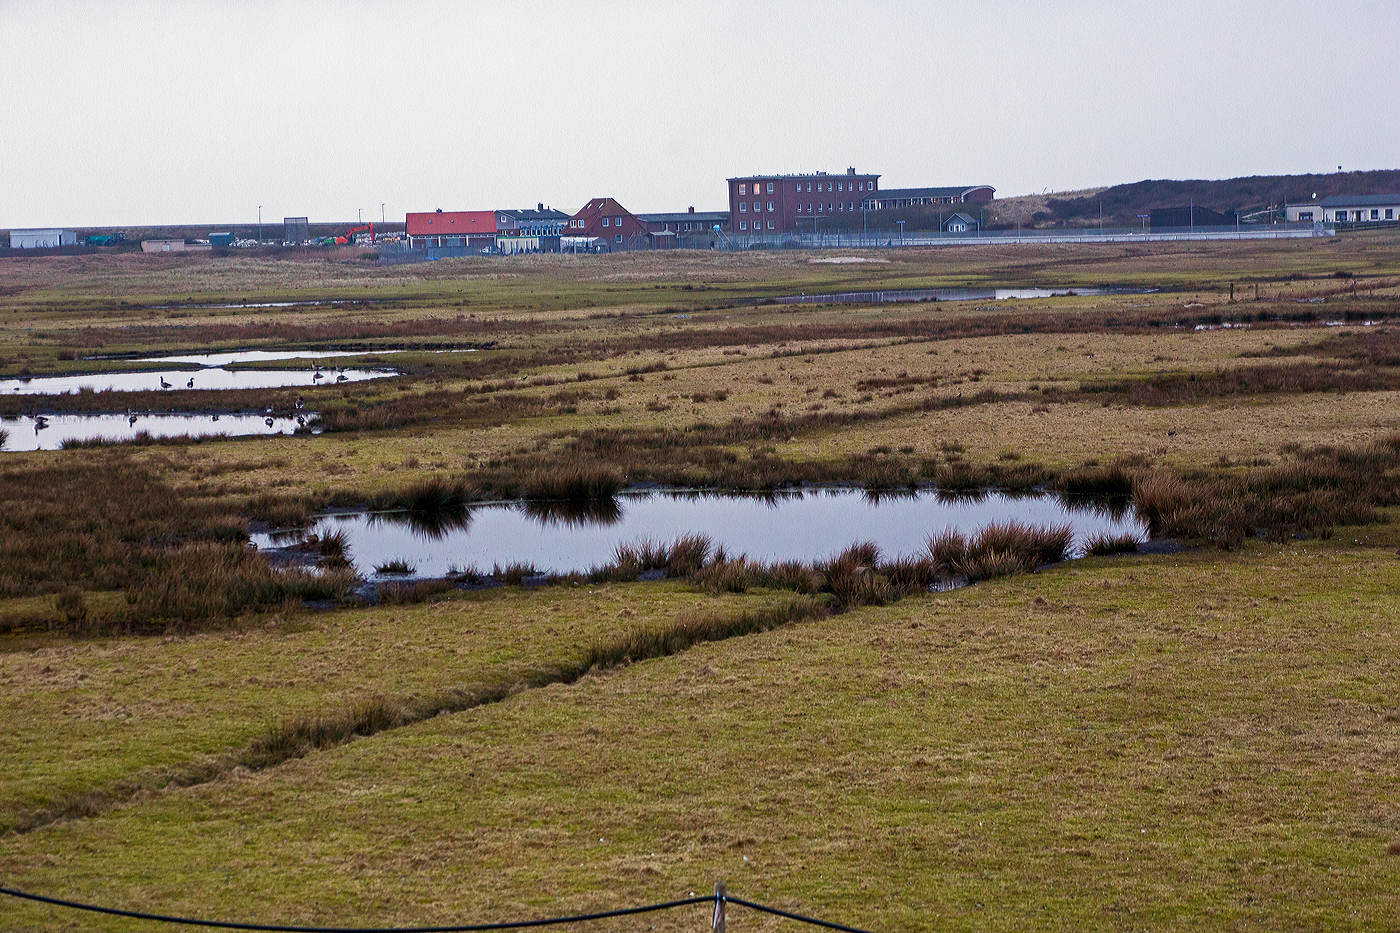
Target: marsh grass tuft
[(1106, 543), (397, 565), (574, 482)]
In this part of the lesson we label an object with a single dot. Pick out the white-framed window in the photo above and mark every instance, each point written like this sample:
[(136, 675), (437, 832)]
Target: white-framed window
[(618, 238), (850, 205), (770, 187), (819, 207), (605, 221), (1390, 213), (743, 225), (770, 225), (1375, 214), (1305, 215), (828, 207), (1341, 215), (743, 189), (809, 187), (770, 207), (743, 207)]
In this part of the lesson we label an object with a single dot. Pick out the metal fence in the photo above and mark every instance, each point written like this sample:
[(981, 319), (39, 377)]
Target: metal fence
[(885, 239)]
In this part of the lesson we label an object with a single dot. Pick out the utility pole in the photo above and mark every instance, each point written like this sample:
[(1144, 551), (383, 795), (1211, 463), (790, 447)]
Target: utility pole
[(901, 231), (259, 224), (381, 213)]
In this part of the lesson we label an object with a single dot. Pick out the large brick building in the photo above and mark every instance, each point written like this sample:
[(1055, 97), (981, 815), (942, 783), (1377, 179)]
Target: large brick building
[(775, 204)]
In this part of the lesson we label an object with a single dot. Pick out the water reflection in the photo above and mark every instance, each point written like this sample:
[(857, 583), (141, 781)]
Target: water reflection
[(52, 432), (430, 524), (803, 525), (259, 356), (204, 379), (574, 514)]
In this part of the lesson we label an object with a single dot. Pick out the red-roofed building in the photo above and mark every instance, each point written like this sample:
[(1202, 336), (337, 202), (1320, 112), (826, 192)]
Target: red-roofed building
[(451, 228), (606, 220)]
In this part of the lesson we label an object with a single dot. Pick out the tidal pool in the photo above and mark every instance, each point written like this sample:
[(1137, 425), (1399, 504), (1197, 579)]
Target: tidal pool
[(805, 525), (27, 433), (205, 379), (259, 356)]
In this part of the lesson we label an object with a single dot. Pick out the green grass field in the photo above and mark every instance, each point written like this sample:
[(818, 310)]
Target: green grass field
[(1199, 740)]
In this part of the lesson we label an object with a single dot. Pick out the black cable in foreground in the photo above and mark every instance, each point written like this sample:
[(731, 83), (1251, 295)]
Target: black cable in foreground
[(275, 928), (783, 913)]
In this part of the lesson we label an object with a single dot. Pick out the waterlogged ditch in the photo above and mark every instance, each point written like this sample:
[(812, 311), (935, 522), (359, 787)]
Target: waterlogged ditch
[(52, 432), (207, 379), (953, 294), (807, 526)]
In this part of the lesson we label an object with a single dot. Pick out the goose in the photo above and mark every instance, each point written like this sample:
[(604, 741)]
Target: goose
[(341, 378), (268, 422), (163, 383), (190, 384), (213, 417), (301, 421), (300, 403), (40, 422), (317, 377), (131, 419)]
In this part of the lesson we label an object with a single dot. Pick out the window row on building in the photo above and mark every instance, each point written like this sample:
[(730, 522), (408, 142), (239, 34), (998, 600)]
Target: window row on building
[(798, 187)]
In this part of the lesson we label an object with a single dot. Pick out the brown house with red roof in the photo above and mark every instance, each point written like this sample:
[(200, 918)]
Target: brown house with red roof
[(606, 220), (473, 229)]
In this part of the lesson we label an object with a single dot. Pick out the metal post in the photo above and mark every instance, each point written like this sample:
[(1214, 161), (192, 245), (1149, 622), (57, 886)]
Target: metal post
[(721, 896), (259, 224)]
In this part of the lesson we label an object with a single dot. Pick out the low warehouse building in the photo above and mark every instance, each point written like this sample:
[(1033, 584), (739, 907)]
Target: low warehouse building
[(42, 238), (172, 246), (1362, 208), (452, 229)]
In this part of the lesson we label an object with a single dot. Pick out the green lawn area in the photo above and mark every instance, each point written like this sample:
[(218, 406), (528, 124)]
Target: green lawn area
[(1196, 741)]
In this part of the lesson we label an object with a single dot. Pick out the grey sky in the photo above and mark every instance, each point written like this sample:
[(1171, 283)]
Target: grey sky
[(146, 113)]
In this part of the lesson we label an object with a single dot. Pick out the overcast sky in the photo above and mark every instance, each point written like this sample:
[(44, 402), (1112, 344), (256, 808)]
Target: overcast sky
[(149, 113)]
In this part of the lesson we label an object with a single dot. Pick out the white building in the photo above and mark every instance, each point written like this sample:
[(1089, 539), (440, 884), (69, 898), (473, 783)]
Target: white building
[(1360, 208), (38, 239)]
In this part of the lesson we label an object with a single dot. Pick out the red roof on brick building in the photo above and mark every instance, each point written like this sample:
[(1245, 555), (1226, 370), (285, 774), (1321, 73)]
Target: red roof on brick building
[(452, 223)]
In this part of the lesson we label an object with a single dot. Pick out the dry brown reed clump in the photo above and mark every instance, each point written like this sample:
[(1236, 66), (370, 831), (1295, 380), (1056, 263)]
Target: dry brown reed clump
[(1306, 497), (1000, 549), (204, 582), (1106, 543), (581, 481)]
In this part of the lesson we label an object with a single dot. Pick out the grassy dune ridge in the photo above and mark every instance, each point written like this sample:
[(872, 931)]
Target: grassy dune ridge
[(1196, 740)]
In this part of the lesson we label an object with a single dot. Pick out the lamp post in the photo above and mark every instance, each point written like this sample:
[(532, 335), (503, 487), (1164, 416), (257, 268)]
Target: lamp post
[(260, 225), (381, 213), (901, 231)]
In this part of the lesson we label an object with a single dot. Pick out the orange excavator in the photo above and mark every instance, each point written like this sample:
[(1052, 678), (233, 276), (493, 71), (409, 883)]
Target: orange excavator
[(349, 236)]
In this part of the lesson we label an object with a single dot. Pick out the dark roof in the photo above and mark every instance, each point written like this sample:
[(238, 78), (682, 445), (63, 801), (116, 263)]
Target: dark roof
[(682, 217), (966, 218), (835, 176), (1361, 200), (599, 206), (531, 213), (954, 191)]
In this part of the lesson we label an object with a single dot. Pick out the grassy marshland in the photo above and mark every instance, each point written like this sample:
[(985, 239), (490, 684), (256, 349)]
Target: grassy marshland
[(1197, 740)]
